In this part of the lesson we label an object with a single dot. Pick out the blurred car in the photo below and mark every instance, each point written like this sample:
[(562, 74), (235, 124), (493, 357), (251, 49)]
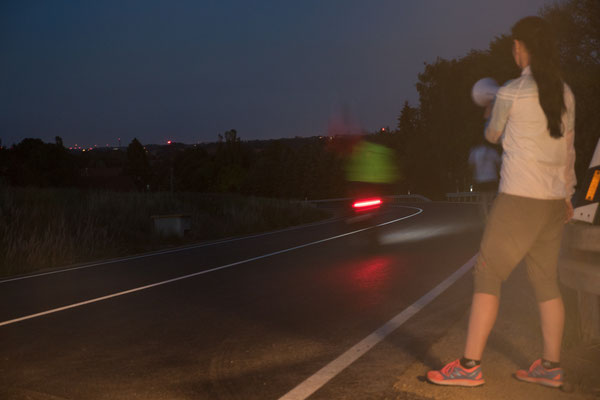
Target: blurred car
[(364, 216)]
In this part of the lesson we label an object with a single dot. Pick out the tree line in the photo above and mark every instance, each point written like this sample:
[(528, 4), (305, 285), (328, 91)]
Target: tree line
[(287, 168), (431, 140)]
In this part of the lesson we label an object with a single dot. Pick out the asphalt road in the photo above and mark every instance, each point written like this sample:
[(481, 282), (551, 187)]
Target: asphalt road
[(250, 318)]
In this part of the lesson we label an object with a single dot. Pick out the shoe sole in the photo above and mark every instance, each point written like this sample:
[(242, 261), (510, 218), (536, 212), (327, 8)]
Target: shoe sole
[(457, 382), (540, 381)]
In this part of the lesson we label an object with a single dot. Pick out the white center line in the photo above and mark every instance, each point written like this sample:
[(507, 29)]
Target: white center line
[(110, 296), (325, 374)]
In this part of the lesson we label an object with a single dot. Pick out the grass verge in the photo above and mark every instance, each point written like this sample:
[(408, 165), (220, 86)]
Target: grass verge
[(49, 228)]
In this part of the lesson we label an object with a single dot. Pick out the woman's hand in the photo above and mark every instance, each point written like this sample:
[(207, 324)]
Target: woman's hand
[(569, 210)]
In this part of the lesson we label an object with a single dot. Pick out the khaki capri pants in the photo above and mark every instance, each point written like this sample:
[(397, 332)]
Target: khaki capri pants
[(517, 228)]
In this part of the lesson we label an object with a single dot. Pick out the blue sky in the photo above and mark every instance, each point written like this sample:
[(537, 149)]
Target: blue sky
[(94, 71)]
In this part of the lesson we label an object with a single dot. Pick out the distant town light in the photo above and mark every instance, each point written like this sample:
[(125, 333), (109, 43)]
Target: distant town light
[(169, 142)]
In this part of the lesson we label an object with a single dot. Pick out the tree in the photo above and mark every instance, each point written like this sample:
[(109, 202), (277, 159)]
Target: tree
[(194, 170), (231, 162), (35, 163), (408, 120), (137, 164), (271, 174)]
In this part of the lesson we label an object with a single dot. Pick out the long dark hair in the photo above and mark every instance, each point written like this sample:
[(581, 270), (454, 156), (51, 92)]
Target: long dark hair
[(537, 36)]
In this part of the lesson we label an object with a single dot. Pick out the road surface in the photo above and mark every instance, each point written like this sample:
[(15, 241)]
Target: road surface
[(248, 318)]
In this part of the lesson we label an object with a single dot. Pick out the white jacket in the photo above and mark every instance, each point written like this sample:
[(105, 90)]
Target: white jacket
[(534, 164)]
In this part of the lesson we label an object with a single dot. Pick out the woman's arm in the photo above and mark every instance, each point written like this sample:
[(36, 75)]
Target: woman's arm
[(498, 113)]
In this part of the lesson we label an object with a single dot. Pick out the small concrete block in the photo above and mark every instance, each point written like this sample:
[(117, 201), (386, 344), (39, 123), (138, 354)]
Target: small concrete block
[(175, 224)]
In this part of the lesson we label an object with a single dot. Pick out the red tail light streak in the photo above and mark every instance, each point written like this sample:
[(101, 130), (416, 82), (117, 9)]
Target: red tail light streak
[(366, 204)]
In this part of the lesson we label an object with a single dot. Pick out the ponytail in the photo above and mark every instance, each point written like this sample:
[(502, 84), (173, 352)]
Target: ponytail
[(535, 33)]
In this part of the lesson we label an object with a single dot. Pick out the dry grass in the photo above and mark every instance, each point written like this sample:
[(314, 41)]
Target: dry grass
[(46, 228)]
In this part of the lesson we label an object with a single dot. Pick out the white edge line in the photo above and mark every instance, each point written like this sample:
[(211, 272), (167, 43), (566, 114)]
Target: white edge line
[(161, 252), (325, 374), (97, 299)]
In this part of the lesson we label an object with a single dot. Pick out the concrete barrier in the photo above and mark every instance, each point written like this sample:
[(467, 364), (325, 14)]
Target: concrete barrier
[(579, 269)]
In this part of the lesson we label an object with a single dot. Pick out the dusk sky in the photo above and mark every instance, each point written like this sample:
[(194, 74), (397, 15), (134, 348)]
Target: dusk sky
[(94, 71)]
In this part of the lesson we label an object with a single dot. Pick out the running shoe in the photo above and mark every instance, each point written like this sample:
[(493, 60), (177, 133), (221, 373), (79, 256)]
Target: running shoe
[(454, 374), (538, 374)]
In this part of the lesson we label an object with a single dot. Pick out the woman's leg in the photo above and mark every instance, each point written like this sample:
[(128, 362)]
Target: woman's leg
[(481, 320), (542, 265), (552, 315)]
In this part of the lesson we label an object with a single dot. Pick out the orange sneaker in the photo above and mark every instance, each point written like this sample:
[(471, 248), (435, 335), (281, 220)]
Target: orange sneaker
[(538, 374), (454, 374)]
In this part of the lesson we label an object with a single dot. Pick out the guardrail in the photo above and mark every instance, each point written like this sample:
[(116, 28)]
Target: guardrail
[(579, 269), (469, 197), (398, 198)]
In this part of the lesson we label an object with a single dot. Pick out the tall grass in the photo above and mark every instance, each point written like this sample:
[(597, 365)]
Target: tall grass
[(46, 228)]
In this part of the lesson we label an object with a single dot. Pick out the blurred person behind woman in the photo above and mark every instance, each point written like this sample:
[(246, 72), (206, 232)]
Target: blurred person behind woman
[(484, 162)]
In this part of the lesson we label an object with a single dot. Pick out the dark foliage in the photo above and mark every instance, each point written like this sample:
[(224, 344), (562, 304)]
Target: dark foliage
[(138, 166), (35, 163)]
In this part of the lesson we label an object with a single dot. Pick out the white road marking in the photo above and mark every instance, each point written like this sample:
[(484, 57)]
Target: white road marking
[(325, 374), (110, 296), (160, 252)]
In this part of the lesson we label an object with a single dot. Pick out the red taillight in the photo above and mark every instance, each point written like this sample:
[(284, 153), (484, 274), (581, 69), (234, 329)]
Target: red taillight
[(366, 204)]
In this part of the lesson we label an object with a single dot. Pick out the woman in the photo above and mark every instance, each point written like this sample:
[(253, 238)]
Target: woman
[(533, 117)]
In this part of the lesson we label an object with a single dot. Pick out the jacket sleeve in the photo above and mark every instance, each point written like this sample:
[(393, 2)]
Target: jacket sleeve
[(569, 131), (499, 117)]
